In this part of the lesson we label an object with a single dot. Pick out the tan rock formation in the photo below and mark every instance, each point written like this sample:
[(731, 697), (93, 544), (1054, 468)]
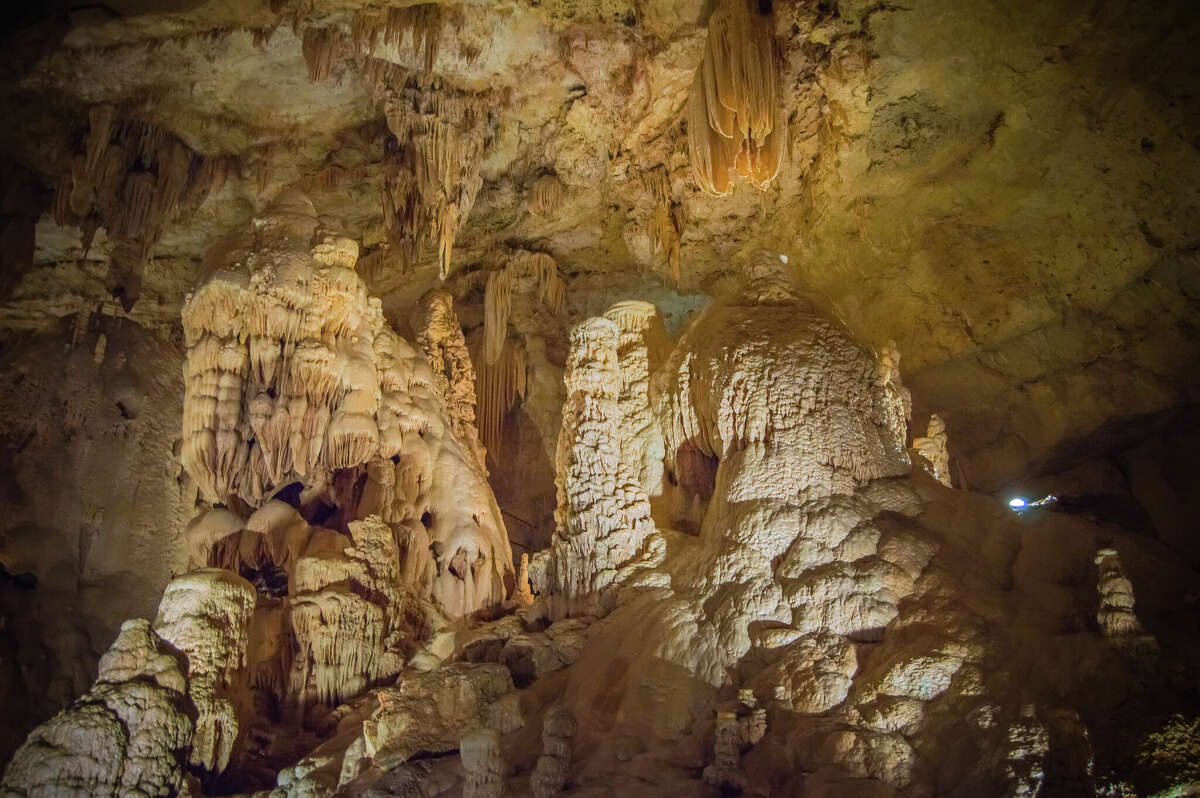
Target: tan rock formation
[(501, 362), (545, 195), (933, 447), (441, 338), (282, 376), (128, 735), (737, 729), (321, 385), (553, 767), (735, 125), (1116, 617), (483, 765), (603, 512), (205, 615), (1006, 197), (440, 134)]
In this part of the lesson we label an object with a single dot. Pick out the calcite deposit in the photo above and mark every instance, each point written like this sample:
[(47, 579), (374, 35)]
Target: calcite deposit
[(599, 397)]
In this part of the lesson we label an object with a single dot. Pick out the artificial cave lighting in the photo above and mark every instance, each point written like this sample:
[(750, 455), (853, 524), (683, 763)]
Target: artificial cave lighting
[(457, 398)]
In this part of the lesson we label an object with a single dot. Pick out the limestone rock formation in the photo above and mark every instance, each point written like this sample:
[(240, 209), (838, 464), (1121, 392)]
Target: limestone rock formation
[(206, 615), (128, 735), (603, 511), (483, 765), (1115, 615), (293, 376), (440, 337), (306, 305), (737, 729), (735, 126), (553, 767), (933, 447)]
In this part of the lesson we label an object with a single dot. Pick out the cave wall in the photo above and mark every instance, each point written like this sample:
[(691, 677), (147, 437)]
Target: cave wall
[(94, 500)]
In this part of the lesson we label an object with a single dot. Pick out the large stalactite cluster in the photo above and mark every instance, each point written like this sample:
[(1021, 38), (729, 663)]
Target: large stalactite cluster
[(438, 131), (132, 179), (736, 126), (439, 137), (500, 360)]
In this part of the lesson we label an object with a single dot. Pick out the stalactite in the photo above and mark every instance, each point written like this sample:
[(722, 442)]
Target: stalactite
[(498, 387), (423, 22), (666, 223), (482, 764), (735, 122), (497, 302), (132, 179), (545, 195), (432, 161), (323, 47), (519, 271), (499, 362), (100, 119)]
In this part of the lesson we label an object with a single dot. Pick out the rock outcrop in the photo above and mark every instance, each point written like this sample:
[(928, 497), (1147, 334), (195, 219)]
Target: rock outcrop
[(128, 735)]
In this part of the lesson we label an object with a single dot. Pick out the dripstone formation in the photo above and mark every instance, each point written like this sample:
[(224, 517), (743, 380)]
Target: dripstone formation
[(482, 398), (811, 624)]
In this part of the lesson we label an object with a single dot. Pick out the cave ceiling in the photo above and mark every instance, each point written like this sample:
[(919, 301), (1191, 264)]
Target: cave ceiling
[(1008, 190)]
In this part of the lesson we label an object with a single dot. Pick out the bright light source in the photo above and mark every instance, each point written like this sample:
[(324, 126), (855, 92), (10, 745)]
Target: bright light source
[(1016, 504)]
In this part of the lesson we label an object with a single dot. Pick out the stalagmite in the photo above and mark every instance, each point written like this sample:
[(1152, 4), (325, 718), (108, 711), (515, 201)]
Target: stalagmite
[(523, 595), (603, 513), (205, 615), (933, 447), (889, 375), (736, 126), (440, 336), (1116, 617), (738, 728), (641, 350), (554, 765), (128, 735)]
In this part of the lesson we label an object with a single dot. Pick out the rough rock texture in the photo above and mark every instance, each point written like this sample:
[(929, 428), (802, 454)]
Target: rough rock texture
[(128, 735), (93, 502), (934, 447), (603, 511), (206, 617), (553, 768)]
